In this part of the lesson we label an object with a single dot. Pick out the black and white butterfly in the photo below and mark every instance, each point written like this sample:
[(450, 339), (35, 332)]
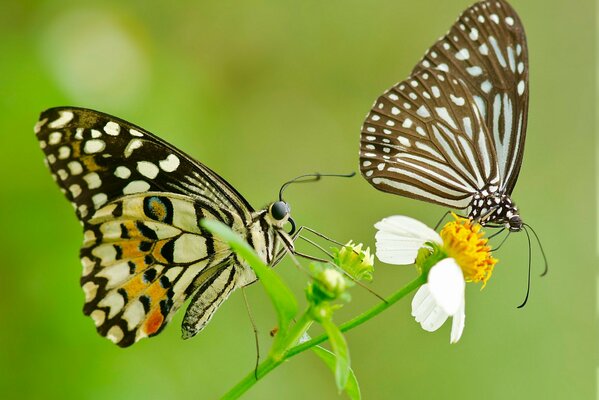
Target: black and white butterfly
[(140, 201), (453, 132)]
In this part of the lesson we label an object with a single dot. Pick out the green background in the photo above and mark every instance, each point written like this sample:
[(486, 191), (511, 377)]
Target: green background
[(261, 92)]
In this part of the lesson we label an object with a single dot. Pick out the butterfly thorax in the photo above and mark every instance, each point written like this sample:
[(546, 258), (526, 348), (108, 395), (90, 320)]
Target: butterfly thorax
[(496, 207), (266, 235)]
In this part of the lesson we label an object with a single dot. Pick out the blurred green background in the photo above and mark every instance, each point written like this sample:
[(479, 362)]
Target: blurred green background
[(261, 92)]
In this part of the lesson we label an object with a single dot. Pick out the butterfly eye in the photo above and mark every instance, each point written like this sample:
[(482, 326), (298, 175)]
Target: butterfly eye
[(279, 210)]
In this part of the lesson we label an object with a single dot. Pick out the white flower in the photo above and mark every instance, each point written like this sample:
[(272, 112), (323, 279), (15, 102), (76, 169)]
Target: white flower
[(398, 241)]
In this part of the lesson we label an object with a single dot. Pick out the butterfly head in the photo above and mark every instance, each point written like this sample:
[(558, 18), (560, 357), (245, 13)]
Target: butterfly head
[(279, 213), (515, 223)]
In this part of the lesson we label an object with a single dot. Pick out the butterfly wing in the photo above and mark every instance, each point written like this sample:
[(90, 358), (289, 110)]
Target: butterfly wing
[(143, 255), (140, 200), (425, 139), (96, 158), (486, 48)]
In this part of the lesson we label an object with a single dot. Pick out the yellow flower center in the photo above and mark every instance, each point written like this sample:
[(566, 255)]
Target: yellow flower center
[(464, 241)]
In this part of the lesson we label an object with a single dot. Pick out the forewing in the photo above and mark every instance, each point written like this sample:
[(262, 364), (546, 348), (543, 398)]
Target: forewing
[(486, 48), (143, 255), (96, 158), (425, 139)]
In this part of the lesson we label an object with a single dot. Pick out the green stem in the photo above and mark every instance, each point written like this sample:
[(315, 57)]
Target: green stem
[(283, 350), (277, 355), (360, 319)]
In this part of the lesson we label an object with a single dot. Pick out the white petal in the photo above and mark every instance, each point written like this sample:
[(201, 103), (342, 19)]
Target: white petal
[(399, 238), (426, 311), (447, 285), (457, 325)]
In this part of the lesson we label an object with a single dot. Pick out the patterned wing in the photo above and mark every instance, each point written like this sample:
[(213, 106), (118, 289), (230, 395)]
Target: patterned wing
[(486, 48), (425, 139), (96, 158), (139, 200), (144, 254)]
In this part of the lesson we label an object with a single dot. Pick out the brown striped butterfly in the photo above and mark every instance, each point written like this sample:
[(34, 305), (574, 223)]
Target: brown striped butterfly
[(140, 201), (453, 132)]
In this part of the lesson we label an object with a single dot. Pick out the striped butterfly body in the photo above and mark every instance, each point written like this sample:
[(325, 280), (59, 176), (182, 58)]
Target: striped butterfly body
[(140, 201), (453, 132)]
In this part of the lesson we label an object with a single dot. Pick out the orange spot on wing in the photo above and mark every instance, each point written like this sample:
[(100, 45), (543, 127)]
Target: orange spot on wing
[(90, 164), (153, 322), (156, 251), (135, 286), (131, 249), (158, 209)]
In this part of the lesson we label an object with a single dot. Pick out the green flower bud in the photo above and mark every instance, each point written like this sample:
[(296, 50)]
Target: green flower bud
[(327, 284), (358, 263)]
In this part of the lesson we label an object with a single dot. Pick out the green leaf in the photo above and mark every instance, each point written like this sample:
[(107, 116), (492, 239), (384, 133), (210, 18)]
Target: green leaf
[(280, 295), (339, 346), (351, 388)]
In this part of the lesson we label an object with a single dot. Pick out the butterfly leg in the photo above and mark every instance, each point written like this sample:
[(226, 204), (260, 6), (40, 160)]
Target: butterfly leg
[(249, 310)]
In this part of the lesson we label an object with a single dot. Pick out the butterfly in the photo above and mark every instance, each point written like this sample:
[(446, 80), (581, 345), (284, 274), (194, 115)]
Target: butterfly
[(453, 132), (140, 201)]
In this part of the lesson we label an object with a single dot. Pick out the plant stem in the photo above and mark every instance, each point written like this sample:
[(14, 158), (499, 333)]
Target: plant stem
[(277, 355), (283, 350), (360, 319)]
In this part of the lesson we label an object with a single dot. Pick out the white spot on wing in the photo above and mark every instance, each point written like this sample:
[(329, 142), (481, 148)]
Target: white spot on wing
[(133, 144), (521, 87), (54, 138), (115, 334), (64, 152), (404, 141), (443, 67), (122, 172), (136, 187), (423, 111), (134, 314), (65, 118), (62, 174), (444, 115), (480, 104), (99, 199), (112, 128), (93, 180), (98, 316), (75, 190), (463, 54), (497, 50), (96, 133), (475, 70), (94, 146), (147, 169), (457, 100), (89, 290), (38, 125), (486, 86)]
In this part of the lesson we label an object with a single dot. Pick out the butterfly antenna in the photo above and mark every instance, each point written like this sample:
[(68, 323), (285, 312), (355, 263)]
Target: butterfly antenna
[(542, 251), (310, 178), (529, 263)]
